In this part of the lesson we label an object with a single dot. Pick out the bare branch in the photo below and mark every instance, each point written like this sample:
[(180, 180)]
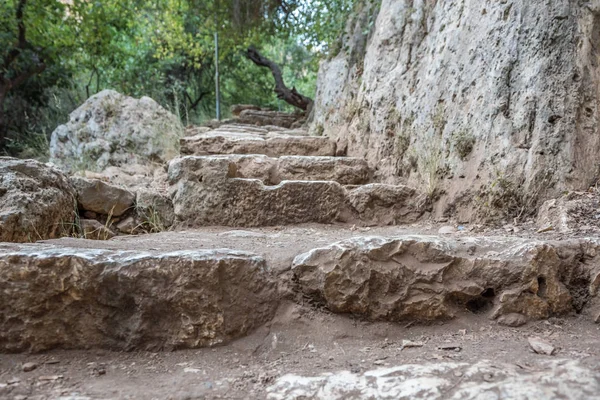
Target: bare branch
[(283, 92)]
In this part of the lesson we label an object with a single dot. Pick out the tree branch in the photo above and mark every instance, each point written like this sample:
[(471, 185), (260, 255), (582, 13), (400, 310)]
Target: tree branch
[(194, 103), (283, 92)]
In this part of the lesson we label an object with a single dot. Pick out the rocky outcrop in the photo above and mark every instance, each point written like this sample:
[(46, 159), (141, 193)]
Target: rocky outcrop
[(461, 97), (36, 201), (429, 278), (110, 129), (207, 192), (54, 297), (273, 145)]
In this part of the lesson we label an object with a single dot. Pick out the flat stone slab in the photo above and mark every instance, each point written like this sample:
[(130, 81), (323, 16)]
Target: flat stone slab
[(344, 170), (77, 298), (274, 145), (554, 380), (272, 171), (427, 278)]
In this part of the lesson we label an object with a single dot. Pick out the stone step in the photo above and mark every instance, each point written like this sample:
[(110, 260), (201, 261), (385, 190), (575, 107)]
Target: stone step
[(434, 278), (272, 171), (241, 142), (76, 298), (74, 293), (214, 191)]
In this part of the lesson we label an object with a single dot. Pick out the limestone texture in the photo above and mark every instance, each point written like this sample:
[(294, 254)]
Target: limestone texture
[(381, 204), (154, 209), (272, 171), (75, 298), (459, 96), (554, 380), (205, 191), (37, 201), (275, 145), (111, 129), (431, 278), (102, 198)]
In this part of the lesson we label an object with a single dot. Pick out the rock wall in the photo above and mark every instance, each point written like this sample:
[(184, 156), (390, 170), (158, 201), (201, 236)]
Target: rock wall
[(488, 105)]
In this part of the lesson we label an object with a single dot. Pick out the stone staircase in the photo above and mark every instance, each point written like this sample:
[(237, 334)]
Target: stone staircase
[(188, 289), (239, 175)]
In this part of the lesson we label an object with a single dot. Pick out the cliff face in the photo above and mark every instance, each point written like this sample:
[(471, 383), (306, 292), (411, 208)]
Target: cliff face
[(488, 105)]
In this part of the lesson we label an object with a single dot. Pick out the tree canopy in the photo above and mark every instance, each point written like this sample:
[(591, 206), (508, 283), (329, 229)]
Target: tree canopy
[(56, 53)]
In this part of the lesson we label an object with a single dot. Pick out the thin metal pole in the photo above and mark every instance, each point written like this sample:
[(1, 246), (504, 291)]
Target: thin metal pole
[(217, 83)]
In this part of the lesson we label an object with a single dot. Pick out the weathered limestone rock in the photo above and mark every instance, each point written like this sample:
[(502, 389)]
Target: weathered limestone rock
[(102, 198), (575, 211), (381, 204), (271, 171), (346, 171), (195, 130), (133, 177), (245, 143), (262, 117), (205, 191), (460, 95), (154, 209), (55, 297), (36, 201), (429, 278), (111, 129), (552, 380)]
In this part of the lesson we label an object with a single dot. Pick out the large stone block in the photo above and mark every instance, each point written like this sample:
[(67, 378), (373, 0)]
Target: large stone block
[(102, 198), (381, 204), (206, 191), (77, 298), (429, 278), (344, 170)]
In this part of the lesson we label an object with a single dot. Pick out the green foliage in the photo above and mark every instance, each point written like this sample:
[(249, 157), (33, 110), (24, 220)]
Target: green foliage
[(163, 49)]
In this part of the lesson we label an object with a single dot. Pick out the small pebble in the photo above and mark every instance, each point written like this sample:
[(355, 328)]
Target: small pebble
[(30, 366)]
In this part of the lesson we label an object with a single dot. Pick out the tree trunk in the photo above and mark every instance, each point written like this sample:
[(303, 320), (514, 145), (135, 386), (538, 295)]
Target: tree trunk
[(290, 96)]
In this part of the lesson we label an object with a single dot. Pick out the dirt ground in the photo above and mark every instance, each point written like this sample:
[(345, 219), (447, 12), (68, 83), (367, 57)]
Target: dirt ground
[(301, 340)]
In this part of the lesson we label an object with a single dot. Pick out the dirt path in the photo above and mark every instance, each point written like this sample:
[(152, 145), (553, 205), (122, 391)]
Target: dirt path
[(302, 341)]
